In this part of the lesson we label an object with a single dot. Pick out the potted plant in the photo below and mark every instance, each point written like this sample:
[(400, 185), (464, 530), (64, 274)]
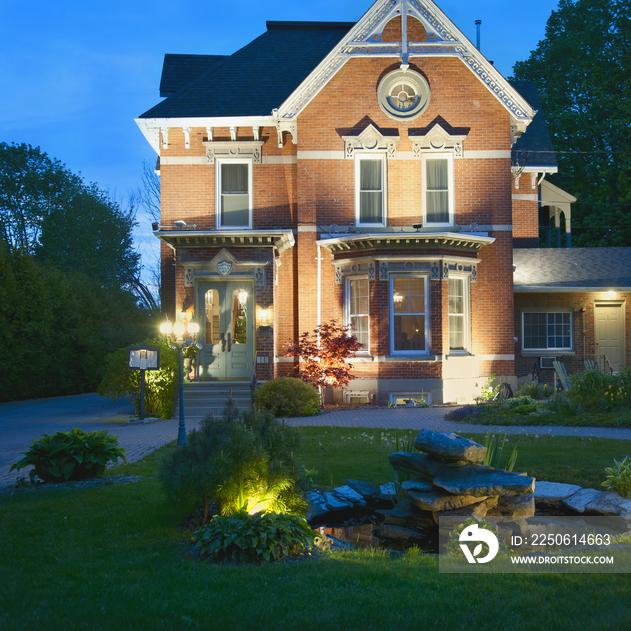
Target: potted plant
[(189, 354)]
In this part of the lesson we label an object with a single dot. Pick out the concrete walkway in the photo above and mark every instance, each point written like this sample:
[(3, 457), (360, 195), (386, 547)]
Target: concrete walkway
[(22, 421), (433, 418)]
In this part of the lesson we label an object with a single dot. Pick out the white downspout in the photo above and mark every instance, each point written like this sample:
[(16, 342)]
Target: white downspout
[(319, 297)]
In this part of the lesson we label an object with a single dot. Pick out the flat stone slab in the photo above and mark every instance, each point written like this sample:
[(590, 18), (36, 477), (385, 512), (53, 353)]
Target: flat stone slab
[(449, 446), (472, 510), (397, 532), (333, 502), (388, 492), (405, 513), (581, 499), (553, 493), (605, 504), (347, 494), (441, 501), (417, 485), (482, 481), (365, 489), (514, 506), (418, 465)]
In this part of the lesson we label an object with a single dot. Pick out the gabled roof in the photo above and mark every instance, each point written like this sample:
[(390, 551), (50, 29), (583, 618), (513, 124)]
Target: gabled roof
[(257, 78), (178, 70), (534, 148), (554, 269)]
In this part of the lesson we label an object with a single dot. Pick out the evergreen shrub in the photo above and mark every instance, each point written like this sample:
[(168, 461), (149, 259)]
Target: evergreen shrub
[(288, 396), (241, 461)]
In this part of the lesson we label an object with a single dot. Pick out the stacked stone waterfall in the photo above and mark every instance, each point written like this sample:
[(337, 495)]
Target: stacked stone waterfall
[(448, 480)]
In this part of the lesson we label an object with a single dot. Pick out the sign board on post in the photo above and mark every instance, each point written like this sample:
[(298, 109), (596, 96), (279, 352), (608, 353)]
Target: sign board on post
[(143, 357)]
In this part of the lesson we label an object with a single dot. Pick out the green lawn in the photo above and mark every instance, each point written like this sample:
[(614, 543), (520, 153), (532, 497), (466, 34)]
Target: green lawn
[(114, 558)]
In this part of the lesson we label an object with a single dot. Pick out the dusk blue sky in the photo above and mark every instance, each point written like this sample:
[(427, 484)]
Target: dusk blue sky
[(74, 75)]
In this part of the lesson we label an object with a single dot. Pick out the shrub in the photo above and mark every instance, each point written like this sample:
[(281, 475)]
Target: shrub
[(73, 455), (599, 390), (240, 461), (534, 390), (288, 396), (118, 382), (561, 404), (619, 477), (516, 402), (242, 537)]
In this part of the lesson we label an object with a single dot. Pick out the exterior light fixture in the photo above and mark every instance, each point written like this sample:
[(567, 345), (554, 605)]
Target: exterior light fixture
[(265, 320), (174, 336), (242, 297)]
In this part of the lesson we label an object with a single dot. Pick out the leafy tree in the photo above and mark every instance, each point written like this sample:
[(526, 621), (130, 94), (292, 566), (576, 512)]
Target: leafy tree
[(48, 211), (323, 354), (583, 72)]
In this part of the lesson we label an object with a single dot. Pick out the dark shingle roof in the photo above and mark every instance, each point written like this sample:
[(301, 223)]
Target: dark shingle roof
[(259, 77), (556, 268), (178, 70), (534, 148)]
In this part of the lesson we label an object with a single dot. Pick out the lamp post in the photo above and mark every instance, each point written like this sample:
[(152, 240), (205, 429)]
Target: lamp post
[(174, 335)]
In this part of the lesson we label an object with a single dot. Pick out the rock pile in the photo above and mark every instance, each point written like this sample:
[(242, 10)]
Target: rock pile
[(448, 480)]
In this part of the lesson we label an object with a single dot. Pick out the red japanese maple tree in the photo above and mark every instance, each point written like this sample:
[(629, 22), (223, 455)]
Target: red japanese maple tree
[(323, 354)]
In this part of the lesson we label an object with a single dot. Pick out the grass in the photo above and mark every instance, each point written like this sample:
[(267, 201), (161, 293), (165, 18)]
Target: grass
[(501, 415), (113, 557)]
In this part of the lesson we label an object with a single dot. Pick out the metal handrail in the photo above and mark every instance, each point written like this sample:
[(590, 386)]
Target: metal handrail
[(607, 362), (253, 382)]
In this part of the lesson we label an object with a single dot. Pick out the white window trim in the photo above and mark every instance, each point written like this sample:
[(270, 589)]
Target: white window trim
[(219, 162), (546, 310), (359, 156), (426, 396), (347, 309), (467, 313), (431, 155), (348, 394), (407, 353)]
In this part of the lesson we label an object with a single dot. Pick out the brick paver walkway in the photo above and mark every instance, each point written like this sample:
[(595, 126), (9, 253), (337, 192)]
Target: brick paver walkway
[(18, 425)]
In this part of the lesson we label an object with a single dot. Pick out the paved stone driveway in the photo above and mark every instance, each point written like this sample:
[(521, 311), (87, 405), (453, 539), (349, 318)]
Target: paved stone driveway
[(21, 421)]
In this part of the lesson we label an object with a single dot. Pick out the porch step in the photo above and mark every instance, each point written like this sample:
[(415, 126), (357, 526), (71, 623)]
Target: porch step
[(203, 397)]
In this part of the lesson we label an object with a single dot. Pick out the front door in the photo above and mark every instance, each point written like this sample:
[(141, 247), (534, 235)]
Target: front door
[(226, 329), (609, 325)]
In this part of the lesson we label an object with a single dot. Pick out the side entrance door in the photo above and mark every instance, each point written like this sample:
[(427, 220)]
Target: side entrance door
[(609, 325), (226, 330)]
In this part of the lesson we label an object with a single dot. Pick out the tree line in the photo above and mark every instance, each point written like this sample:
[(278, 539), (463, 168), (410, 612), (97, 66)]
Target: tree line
[(69, 278)]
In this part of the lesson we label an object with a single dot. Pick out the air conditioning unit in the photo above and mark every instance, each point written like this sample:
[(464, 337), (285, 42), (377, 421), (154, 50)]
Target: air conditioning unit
[(546, 362)]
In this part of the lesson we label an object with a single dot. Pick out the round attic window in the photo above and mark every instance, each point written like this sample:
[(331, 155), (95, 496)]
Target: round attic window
[(403, 94)]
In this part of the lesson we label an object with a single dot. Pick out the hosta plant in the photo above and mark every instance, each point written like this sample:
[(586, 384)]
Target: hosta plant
[(73, 455), (619, 477), (242, 537)]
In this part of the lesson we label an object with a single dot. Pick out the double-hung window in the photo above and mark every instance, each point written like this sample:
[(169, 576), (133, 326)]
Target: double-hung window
[(438, 189), (357, 310), (459, 319), (409, 315), (551, 330), (370, 190), (234, 194)]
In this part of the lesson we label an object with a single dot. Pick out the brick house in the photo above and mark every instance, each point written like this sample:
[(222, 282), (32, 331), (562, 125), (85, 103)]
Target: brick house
[(378, 173)]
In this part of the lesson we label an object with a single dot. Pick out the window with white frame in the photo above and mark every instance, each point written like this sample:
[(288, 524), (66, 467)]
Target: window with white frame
[(357, 310), (459, 318), (550, 330), (438, 189), (234, 193), (409, 315), (370, 189)]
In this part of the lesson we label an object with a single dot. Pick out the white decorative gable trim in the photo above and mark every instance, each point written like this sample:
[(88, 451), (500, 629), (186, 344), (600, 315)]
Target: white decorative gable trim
[(233, 149), (436, 139), (444, 40), (371, 139)]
